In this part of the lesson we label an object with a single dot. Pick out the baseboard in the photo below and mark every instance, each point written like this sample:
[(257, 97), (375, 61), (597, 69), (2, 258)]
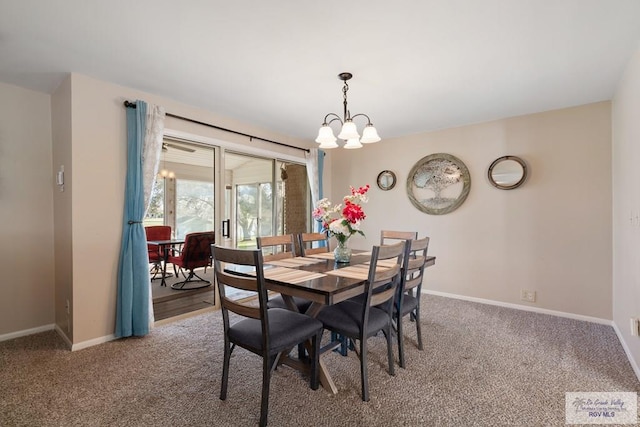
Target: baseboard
[(522, 307), (64, 337), (91, 343), (633, 363), (24, 333)]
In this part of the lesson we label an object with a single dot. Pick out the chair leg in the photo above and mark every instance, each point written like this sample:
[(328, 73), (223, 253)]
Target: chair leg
[(267, 364), (315, 344), (364, 374), (390, 350), (418, 328), (398, 316), (225, 370)]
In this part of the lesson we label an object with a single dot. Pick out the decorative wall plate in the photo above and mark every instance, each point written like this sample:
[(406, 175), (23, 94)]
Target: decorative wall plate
[(438, 184)]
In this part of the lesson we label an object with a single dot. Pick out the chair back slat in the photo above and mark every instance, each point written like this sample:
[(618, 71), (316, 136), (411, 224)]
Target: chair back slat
[(245, 310), (384, 296), (237, 282), (276, 247), (415, 263), (385, 273), (306, 241), (386, 235), (412, 283)]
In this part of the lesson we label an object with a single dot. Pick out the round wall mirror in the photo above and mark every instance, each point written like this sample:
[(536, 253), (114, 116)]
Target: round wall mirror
[(507, 172)]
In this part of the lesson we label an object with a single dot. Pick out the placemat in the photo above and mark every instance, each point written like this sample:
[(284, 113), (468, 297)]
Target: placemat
[(358, 271), (322, 255), (294, 262), (329, 255), (290, 275)]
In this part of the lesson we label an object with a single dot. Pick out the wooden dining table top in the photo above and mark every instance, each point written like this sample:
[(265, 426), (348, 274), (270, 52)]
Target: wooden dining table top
[(327, 286)]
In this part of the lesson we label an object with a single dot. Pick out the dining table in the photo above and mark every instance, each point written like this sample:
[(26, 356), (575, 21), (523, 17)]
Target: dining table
[(166, 246), (321, 280)]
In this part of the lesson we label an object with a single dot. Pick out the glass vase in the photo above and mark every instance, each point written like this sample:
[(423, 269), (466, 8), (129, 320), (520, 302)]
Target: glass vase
[(342, 252)]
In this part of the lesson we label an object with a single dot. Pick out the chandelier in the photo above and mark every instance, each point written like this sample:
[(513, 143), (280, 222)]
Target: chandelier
[(348, 132)]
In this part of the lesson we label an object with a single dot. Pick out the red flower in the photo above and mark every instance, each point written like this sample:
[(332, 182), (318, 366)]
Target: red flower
[(352, 212)]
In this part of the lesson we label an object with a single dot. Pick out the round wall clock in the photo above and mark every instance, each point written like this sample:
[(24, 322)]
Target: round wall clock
[(438, 184), (386, 180)]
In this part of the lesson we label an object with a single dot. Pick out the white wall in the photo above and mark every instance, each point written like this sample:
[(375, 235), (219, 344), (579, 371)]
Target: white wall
[(26, 211), (552, 235), (626, 206)]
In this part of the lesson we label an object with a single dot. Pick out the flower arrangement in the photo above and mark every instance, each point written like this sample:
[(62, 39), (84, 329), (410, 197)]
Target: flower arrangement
[(343, 222)]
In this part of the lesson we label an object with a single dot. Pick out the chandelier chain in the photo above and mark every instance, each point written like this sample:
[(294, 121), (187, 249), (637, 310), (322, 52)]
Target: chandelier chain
[(345, 88)]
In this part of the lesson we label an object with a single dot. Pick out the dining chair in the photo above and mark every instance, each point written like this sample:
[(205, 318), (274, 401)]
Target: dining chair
[(413, 267), (311, 243), (359, 321), (269, 333), (156, 253), (275, 248), (195, 253), (386, 235)]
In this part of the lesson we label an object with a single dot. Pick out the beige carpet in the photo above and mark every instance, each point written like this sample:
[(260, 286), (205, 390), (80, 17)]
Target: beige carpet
[(482, 365)]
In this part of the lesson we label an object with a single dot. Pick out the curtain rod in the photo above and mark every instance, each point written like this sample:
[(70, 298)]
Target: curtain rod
[(128, 104)]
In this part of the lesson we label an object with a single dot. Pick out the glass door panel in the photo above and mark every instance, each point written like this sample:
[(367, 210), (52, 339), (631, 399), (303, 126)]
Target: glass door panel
[(194, 206), (250, 208), (184, 194)]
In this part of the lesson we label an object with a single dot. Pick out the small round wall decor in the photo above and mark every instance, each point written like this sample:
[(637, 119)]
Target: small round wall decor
[(438, 184)]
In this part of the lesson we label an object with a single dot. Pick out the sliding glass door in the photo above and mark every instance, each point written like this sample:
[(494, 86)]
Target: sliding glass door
[(257, 196), (184, 195), (257, 202)]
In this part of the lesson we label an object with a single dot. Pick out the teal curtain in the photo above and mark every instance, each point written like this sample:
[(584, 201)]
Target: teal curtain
[(132, 317)]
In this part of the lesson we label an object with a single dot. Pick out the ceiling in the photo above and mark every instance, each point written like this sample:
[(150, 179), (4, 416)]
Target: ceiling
[(417, 65)]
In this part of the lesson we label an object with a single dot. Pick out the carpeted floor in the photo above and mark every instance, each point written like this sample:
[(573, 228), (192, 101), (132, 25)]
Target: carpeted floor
[(482, 366)]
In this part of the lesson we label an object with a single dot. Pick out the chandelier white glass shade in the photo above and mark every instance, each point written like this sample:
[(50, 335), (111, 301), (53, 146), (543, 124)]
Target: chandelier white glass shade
[(348, 131)]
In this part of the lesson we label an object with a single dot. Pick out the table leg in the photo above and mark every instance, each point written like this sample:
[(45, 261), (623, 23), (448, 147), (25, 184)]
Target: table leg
[(326, 380), (164, 266)]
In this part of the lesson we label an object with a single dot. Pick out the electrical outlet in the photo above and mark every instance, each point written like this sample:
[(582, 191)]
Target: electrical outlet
[(528, 296), (635, 326)]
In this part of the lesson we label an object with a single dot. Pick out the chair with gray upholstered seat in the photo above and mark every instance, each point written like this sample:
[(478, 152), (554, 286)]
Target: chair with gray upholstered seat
[(408, 303), (359, 321), (269, 333)]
